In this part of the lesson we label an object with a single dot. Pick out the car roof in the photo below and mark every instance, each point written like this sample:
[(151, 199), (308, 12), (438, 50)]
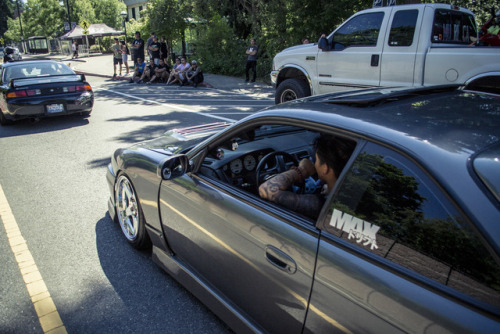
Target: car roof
[(441, 128)]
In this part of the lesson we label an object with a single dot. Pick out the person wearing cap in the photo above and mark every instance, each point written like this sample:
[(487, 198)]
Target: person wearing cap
[(137, 48), (194, 75), (117, 57)]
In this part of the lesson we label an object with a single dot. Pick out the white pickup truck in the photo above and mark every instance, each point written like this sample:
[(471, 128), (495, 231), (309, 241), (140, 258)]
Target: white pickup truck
[(405, 45)]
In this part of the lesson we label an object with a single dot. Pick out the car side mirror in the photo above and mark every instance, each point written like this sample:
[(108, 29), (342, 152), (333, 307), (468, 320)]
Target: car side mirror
[(173, 167)]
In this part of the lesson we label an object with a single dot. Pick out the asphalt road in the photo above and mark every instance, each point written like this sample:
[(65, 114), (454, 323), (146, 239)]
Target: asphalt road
[(52, 173)]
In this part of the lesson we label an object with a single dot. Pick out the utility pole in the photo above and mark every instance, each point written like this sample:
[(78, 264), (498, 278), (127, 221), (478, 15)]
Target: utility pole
[(21, 26), (69, 17)]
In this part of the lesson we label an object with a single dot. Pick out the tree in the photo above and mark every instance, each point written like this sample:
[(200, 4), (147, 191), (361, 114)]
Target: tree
[(6, 11), (108, 12), (41, 18)]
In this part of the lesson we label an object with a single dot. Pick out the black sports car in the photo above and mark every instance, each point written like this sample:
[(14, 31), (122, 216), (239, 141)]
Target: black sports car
[(407, 239), (41, 88)]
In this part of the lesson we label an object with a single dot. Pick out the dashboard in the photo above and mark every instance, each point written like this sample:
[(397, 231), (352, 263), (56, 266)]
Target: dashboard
[(238, 166)]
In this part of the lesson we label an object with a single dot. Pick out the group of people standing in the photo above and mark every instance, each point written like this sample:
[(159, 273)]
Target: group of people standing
[(182, 73), (157, 70)]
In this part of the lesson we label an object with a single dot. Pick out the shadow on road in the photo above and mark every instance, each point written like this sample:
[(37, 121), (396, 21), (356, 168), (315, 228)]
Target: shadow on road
[(153, 300), (49, 124)]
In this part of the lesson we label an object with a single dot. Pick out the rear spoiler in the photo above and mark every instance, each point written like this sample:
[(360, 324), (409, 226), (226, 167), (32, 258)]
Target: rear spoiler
[(18, 81)]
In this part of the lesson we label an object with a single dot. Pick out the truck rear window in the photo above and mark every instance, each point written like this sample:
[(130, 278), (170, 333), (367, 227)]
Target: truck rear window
[(453, 27)]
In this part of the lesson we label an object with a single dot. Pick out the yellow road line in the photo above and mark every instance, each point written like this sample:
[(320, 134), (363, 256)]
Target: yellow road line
[(40, 297)]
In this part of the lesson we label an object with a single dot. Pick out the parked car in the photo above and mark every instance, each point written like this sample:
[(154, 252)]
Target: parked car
[(42, 88), (408, 239), (404, 45), (16, 55)]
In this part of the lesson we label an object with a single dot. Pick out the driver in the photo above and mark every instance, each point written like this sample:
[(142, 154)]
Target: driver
[(331, 154)]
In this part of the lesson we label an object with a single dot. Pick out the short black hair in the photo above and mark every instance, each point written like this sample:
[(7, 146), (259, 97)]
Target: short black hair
[(333, 151)]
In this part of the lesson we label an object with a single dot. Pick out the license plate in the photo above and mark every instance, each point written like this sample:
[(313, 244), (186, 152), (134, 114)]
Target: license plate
[(55, 108)]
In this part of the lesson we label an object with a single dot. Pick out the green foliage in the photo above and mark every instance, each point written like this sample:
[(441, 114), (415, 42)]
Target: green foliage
[(108, 12), (218, 50), (6, 11)]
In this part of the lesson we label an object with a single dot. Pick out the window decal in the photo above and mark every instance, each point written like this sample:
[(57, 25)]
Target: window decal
[(361, 230)]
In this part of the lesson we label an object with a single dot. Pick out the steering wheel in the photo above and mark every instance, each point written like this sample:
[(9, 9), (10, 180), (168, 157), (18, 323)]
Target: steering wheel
[(273, 163)]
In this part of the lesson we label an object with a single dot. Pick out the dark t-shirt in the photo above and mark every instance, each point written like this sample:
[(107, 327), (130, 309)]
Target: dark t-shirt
[(163, 49), (139, 52), (156, 54)]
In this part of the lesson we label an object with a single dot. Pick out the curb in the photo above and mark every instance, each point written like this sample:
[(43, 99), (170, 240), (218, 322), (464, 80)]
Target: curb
[(203, 84)]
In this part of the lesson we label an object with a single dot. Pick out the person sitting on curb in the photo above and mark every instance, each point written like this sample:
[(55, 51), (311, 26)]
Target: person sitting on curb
[(182, 70), (148, 72), (139, 70), (160, 72), (194, 75), (171, 78)]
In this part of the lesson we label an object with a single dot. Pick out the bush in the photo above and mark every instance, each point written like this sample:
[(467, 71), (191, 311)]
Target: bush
[(219, 50)]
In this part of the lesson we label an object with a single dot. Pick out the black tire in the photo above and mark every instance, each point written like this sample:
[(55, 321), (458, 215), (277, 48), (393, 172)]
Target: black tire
[(291, 89), (129, 214)]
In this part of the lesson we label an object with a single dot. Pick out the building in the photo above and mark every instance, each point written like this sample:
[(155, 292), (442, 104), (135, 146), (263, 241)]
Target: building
[(134, 8)]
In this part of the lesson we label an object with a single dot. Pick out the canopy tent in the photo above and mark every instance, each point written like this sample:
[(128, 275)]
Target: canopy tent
[(95, 30)]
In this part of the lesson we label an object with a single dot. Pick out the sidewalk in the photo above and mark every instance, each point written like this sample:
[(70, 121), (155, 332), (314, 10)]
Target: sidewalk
[(102, 66)]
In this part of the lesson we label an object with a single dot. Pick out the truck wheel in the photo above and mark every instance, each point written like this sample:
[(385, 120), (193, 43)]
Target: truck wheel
[(291, 89)]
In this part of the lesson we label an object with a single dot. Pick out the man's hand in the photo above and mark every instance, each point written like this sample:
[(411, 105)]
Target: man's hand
[(307, 168)]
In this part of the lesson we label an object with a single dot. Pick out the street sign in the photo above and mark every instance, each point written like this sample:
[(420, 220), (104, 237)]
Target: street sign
[(85, 32), (85, 25), (66, 26)]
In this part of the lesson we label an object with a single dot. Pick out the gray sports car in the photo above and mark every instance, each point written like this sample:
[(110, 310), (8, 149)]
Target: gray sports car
[(405, 239)]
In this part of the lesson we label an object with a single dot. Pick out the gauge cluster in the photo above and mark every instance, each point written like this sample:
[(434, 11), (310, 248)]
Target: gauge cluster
[(245, 163)]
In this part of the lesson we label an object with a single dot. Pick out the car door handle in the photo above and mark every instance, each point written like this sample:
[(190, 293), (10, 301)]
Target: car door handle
[(374, 61), (280, 260)]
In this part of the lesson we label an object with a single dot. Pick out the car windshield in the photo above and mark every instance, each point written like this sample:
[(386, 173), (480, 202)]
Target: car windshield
[(487, 166), (33, 70)]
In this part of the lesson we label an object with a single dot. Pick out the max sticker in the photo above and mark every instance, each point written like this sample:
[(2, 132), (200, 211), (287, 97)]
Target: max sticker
[(358, 229)]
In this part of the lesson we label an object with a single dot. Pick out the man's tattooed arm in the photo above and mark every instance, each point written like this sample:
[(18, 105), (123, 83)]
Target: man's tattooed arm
[(277, 188)]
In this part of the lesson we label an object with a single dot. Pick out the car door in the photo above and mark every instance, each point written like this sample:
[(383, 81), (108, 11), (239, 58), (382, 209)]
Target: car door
[(258, 258), (400, 52), (355, 58), (397, 256)]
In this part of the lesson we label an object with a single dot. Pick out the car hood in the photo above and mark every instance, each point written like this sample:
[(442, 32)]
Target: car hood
[(308, 48), (179, 140)]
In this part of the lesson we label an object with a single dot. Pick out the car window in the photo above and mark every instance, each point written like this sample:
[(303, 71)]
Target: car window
[(27, 70), (362, 30), (453, 27), (388, 206), (248, 159), (403, 28)]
